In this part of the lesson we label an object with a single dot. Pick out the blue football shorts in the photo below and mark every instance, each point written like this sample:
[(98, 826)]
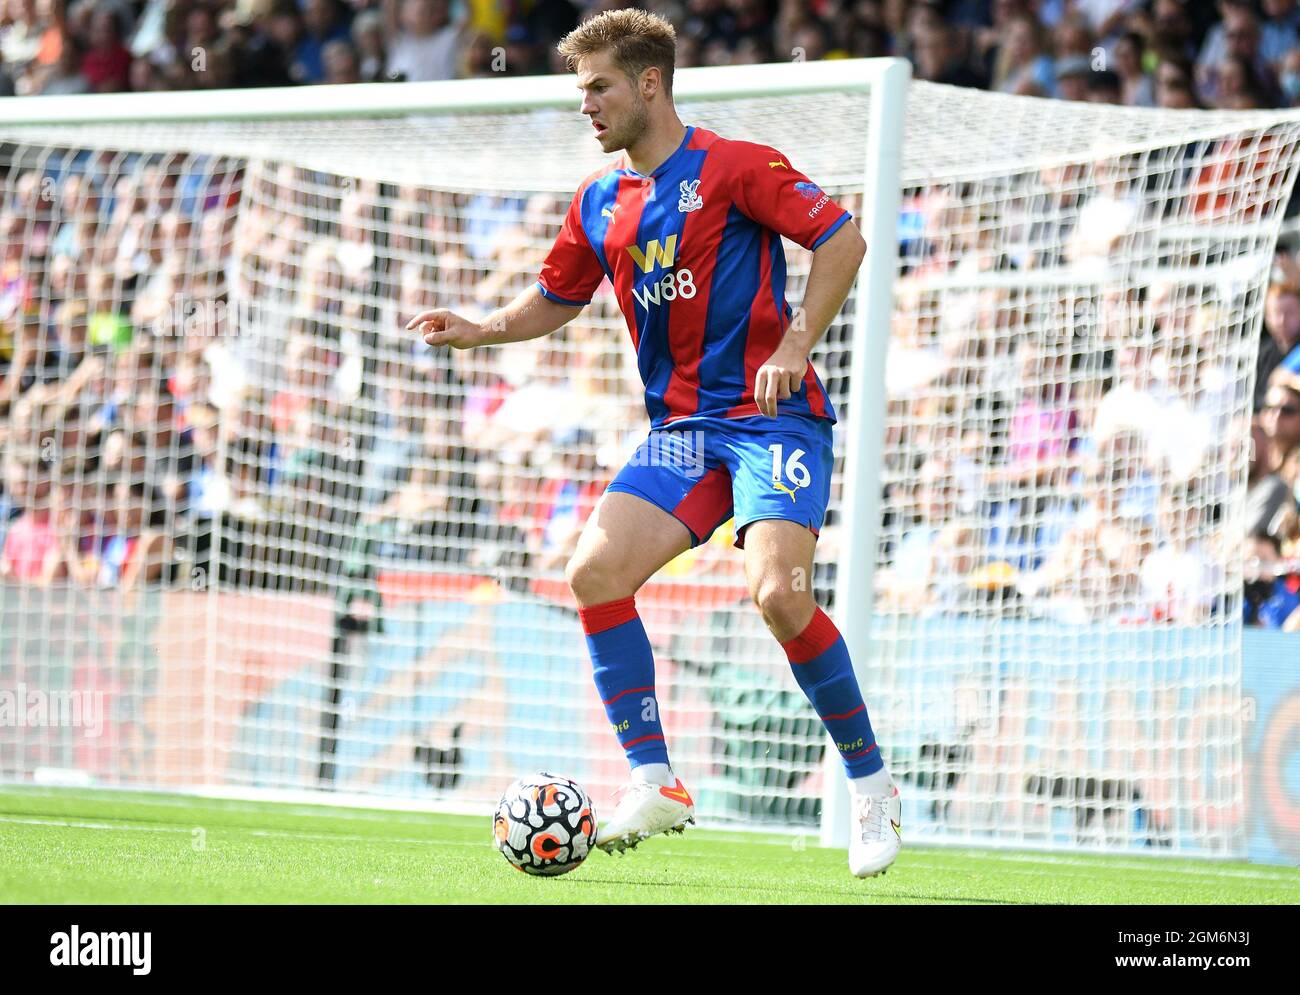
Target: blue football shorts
[(704, 471)]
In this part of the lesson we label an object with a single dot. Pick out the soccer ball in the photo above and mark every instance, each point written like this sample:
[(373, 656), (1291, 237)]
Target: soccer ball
[(545, 824)]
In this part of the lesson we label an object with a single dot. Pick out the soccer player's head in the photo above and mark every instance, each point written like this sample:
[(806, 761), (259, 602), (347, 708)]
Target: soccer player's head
[(624, 61)]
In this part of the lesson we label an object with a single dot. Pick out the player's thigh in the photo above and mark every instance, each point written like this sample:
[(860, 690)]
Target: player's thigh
[(625, 541), (781, 485), (779, 572), (779, 552)]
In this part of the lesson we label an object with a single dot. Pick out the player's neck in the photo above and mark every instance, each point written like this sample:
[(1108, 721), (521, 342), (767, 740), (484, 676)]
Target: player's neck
[(656, 145)]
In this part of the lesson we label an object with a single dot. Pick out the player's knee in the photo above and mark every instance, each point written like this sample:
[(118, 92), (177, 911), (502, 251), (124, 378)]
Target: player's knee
[(576, 573), (595, 580), (785, 609)]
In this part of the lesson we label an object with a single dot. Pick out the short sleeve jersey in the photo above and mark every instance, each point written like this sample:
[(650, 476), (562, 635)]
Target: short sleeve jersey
[(693, 252)]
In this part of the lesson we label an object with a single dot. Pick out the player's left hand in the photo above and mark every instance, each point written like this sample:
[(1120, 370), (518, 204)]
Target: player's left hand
[(778, 379)]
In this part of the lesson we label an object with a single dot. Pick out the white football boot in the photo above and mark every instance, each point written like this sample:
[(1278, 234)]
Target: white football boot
[(643, 811), (875, 832)]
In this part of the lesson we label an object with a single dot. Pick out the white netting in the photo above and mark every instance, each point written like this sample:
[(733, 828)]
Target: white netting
[(342, 565)]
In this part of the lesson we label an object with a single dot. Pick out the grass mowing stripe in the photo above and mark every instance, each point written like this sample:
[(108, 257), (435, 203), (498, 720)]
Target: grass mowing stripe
[(954, 857), (277, 833), (69, 824), (67, 846)]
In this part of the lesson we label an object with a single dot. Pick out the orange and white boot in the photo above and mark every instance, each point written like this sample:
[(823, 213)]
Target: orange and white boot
[(645, 810)]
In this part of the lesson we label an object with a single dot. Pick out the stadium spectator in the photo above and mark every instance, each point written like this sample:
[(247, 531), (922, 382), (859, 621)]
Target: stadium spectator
[(201, 30), (1241, 32), (340, 62), (169, 448), (1020, 63), (323, 23), (403, 405), (261, 39), (31, 543), (1270, 503), (1108, 219), (540, 405), (423, 44), (937, 554), (34, 360), (84, 278), (1072, 73), (572, 487), (1105, 87), (370, 43), (273, 42), (521, 54), (65, 76), (1072, 38), (107, 61), (1044, 426), (1282, 327), (1238, 86), (1272, 596), (1280, 420), (1282, 16), (519, 249), (1289, 78), (1137, 86), (241, 487), (139, 550), (481, 58), (938, 58), (20, 39), (1236, 58), (1180, 578), (1174, 85), (434, 511), (1105, 18), (1094, 573)]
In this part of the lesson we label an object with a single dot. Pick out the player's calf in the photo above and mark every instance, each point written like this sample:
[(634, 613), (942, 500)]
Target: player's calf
[(820, 661)]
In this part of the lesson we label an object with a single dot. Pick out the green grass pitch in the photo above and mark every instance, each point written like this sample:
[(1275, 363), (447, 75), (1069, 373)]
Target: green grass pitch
[(90, 847)]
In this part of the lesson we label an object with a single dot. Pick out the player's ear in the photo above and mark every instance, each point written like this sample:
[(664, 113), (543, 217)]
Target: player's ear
[(651, 81)]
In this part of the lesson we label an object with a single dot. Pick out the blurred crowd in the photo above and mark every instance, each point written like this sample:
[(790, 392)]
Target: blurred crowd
[(1080, 471), (1068, 453), (144, 425), (1056, 455), (1167, 53)]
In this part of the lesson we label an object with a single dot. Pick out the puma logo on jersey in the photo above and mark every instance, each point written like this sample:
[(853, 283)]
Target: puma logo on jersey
[(784, 488), (778, 163), (608, 212)]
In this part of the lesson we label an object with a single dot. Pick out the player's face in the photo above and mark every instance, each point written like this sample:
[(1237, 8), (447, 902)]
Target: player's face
[(612, 102)]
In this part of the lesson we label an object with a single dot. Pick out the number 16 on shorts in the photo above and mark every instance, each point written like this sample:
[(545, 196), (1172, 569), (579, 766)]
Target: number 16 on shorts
[(793, 470)]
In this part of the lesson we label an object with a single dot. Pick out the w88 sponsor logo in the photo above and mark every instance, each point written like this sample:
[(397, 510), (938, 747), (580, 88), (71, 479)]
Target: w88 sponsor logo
[(679, 283)]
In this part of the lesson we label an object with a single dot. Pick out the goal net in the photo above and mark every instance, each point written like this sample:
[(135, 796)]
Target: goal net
[(259, 537)]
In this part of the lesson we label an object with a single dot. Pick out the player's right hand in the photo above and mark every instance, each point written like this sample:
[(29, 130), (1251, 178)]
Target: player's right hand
[(442, 327)]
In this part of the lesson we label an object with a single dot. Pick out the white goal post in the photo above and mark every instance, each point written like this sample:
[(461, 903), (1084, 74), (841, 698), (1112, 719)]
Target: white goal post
[(1043, 374)]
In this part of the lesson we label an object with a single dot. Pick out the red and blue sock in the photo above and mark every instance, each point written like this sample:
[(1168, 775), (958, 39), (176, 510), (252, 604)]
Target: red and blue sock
[(624, 668), (821, 665)]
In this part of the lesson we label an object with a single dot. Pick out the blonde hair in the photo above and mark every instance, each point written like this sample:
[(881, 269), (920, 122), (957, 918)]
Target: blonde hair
[(636, 38)]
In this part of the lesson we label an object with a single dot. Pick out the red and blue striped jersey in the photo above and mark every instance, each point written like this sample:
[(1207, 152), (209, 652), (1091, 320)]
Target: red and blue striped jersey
[(693, 252)]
